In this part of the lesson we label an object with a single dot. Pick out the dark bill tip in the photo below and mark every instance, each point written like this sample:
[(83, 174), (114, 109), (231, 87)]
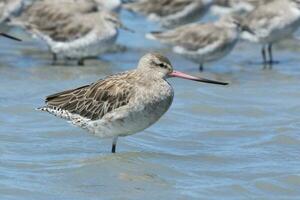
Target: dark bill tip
[(193, 78), (10, 37), (203, 80)]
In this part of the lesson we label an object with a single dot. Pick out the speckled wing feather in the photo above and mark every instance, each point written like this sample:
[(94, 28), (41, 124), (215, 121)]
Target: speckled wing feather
[(71, 29), (191, 37), (159, 7), (52, 18), (262, 16), (229, 3), (169, 7), (95, 100)]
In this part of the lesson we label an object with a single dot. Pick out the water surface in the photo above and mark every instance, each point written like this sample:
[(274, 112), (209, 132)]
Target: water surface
[(235, 142)]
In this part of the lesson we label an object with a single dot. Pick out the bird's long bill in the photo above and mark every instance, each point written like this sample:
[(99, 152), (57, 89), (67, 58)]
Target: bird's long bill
[(193, 78), (10, 37), (125, 28)]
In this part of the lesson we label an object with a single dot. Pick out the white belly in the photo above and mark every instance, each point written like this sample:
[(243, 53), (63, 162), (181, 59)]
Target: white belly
[(123, 123), (90, 46)]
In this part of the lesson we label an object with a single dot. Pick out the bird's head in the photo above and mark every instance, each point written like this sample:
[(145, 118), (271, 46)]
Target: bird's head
[(113, 19), (158, 66), (235, 21)]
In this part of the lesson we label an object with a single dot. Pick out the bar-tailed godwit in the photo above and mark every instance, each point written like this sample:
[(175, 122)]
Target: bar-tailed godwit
[(121, 104), (202, 43), (272, 22), (73, 36)]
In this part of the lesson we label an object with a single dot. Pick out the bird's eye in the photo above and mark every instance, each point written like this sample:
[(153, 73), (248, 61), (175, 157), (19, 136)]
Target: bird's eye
[(162, 65)]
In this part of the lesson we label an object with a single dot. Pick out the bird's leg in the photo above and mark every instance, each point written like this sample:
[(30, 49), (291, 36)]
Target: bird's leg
[(263, 52), (201, 67), (270, 56), (114, 144), (54, 58), (81, 62)]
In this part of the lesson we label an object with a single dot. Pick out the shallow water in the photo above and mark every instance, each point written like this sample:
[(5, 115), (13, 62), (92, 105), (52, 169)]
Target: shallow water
[(235, 142)]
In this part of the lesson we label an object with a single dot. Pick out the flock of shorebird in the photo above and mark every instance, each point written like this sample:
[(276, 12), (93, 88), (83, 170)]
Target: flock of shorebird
[(129, 102)]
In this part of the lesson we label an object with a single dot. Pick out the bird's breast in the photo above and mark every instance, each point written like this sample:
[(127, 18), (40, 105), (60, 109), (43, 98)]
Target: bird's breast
[(145, 108), (152, 102), (156, 97)]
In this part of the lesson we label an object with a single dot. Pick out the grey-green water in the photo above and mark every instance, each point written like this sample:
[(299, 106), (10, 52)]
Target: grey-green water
[(235, 142)]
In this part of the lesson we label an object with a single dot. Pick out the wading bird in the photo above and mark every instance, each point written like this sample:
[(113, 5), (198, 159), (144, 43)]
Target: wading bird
[(121, 104)]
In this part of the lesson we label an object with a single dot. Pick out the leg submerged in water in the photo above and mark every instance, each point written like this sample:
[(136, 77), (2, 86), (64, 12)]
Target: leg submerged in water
[(263, 52), (271, 61), (201, 68), (114, 145), (81, 62), (54, 58)]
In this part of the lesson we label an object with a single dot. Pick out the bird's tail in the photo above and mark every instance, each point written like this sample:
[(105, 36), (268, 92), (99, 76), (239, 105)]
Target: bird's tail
[(55, 111), (44, 108), (74, 119)]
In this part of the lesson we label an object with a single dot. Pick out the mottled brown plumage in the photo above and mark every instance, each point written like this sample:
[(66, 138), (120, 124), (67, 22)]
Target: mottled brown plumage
[(192, 36), (76, 27), (240, 7), (97, 99), (171, 12), (53, 15), (232, 3), (161, 7)]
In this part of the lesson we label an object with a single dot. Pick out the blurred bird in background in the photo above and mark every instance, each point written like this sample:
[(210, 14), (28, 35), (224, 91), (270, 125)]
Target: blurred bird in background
[(81, 29), (270, 23), (170, 13), (203, 42), (113, 5), (241, 7), (72, 29)]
